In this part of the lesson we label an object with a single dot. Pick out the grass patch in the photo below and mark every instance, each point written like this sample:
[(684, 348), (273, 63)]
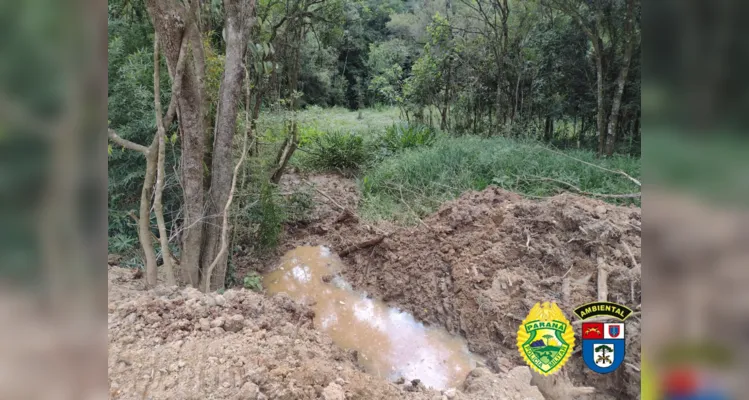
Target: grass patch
[(336, 151), (408, 136), (416, 181)]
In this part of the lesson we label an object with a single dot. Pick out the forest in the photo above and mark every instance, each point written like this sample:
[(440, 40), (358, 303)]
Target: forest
[(212, 104)]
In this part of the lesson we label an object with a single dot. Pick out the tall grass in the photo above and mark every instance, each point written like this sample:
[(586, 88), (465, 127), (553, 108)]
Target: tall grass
[(416, 181)]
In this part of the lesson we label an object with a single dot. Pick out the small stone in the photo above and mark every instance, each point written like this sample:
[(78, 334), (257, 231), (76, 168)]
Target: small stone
[(220, 300), (192, 293), (205, 324), (173, 367), (163, 290), (451, 393), (218, 322), (248, 391), (178, 344), (226, 385), (209, 301), (217, 331), (235, 323), (333, 392), (181, 364)]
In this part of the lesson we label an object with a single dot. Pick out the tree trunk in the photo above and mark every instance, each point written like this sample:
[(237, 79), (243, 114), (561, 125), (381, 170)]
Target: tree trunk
[(620, 82), (237, 26), (144, 219), (169, 17), (599, 95), (517, 98), (158, 204), (291, 141)]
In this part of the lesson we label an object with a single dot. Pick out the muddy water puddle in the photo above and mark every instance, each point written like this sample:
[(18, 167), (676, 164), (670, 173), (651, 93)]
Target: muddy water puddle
[(390, 343)]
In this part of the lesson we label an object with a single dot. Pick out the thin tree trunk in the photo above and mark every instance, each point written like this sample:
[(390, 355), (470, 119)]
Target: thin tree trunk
[(144, 225), (517, 98), (171, 20), (223, 249), (292, 141), (598, 49), (620, 82), (238, 17), (158, 204)]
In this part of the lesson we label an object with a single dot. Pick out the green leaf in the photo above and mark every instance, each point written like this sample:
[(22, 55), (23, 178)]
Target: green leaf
[(109, 149), (173, 139)]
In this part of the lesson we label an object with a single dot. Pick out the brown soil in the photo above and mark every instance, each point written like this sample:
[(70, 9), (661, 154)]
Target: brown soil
[(481, 262), (181, 344), (475, 267)]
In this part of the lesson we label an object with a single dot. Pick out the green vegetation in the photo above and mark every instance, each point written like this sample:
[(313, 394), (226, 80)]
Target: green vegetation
[(420, 101), (417, 181), (337, 151), (253, 281), (406, 136)]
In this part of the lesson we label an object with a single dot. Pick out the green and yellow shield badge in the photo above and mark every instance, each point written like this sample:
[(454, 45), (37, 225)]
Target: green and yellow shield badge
[(545, 338)]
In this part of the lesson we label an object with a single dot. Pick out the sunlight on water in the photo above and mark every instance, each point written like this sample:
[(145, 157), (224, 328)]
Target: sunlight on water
[(390, 342)]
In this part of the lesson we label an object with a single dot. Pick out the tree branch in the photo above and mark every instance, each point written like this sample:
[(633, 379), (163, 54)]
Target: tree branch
[(113, 136), (177, 80), (620, 172)]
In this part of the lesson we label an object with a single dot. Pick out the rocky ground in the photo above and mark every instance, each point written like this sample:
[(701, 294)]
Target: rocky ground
[(474, 267)]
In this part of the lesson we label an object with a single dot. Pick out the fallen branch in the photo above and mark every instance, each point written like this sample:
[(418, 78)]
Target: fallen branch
[(362, 245), (620, 172), (603, 275), (580, 191)]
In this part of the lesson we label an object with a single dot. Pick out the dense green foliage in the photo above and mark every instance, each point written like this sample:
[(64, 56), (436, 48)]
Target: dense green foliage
[(419, 100)]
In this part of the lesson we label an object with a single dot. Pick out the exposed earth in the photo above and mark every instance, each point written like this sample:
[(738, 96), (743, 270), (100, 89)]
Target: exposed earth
[(475, 267)]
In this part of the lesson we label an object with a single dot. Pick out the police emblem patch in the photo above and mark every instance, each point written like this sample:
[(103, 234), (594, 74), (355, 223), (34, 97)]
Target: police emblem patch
[(545, 338), (603, 346), (603, 342)]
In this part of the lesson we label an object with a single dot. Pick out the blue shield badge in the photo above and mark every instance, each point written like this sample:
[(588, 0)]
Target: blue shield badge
[(603, 346)]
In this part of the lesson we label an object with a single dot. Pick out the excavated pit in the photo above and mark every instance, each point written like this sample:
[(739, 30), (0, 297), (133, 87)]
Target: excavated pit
[(389, 343), (477, 266)]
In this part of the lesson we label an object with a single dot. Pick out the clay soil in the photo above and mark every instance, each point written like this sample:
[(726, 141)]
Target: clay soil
[(475, 267)]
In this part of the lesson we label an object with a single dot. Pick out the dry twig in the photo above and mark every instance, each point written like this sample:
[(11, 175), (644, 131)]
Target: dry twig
[(361, 245)]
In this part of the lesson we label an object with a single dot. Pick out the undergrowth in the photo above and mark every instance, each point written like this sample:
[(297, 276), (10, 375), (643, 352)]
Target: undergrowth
[(416, 181), (336, 151), (407, 136)]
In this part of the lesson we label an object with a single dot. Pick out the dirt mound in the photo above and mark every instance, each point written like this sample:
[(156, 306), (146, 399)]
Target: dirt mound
[(481, 262), (182, 344)]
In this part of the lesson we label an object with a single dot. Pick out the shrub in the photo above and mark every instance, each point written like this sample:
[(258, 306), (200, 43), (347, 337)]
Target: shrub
[(405, 136), (272, 217), (253, 281), (337, 151), (298, 206)]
